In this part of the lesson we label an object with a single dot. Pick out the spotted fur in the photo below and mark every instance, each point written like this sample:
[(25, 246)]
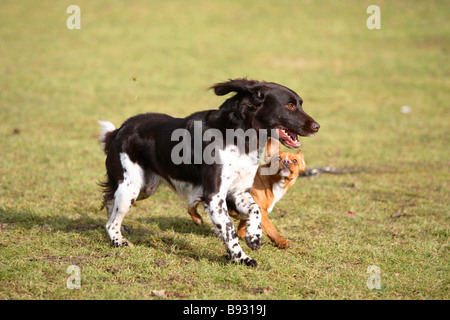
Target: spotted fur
[(138, 159)]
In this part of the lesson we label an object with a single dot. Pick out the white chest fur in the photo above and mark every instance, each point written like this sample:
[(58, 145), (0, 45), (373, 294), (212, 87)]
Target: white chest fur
[(238, 169), (278, 191), (238, 173)]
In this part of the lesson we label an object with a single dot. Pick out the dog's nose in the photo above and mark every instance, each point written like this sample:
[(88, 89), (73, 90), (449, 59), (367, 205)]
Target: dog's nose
[(315, 126), (286, 162)]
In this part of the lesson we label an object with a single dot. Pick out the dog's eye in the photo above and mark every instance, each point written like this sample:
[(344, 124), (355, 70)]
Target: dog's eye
[(279, 158), (294, 161), (290, 106)]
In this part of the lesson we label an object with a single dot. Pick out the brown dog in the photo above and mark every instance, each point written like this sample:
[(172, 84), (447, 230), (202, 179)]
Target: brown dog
[(267, 190)]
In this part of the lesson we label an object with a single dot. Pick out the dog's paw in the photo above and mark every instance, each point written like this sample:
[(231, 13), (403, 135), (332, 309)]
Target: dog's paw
[(253, 241), (283, 243), (249, 262), (241, 258), (121, 243), (197, 220)]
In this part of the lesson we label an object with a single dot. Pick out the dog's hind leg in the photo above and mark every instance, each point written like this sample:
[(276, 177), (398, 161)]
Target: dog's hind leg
[(124, 197), (122, 203)]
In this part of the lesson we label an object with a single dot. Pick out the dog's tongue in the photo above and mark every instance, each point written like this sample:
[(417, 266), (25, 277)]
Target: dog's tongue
[(292, 134), (288, 138)]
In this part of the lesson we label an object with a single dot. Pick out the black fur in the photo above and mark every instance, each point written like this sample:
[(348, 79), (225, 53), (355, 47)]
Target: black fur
[(146, 138)]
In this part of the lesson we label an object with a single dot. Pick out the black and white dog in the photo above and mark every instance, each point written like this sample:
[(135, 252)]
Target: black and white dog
[(140, 156)]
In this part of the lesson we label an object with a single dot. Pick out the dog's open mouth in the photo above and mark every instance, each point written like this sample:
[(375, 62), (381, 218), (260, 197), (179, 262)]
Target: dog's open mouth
[(284, 172), (288, 138)]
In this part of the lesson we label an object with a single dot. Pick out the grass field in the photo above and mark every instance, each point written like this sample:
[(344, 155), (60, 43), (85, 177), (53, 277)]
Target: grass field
[(132, 57)]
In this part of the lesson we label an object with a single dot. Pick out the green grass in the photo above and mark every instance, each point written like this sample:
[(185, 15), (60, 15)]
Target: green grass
[(56, 83)]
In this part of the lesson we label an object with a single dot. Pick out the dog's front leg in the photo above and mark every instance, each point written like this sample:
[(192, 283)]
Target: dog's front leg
[(218, 213), (251, 213)]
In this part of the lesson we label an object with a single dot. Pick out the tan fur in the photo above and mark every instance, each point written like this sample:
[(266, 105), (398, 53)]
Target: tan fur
[(262, 192)]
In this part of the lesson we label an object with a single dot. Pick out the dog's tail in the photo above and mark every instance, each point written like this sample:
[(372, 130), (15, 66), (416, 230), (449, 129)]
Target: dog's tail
[(105, 137), (107, 133)]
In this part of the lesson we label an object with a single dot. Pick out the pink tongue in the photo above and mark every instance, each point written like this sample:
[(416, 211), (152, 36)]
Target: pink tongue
[(291, 133)]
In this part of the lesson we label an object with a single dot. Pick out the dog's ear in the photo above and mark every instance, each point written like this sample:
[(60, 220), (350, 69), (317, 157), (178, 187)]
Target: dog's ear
[(302, 161), (272, 149), (242, 85)]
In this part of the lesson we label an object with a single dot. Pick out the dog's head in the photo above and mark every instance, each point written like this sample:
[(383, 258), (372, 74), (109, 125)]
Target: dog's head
[(268, 105), (290, 165)]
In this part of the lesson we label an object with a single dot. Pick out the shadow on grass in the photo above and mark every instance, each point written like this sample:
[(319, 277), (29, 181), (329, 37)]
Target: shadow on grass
[(66, 223), (28, 220), (89, 227), (162, 237)]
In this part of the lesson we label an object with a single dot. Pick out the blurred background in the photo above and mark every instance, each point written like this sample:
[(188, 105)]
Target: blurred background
[(381, 97), (161, 56)]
